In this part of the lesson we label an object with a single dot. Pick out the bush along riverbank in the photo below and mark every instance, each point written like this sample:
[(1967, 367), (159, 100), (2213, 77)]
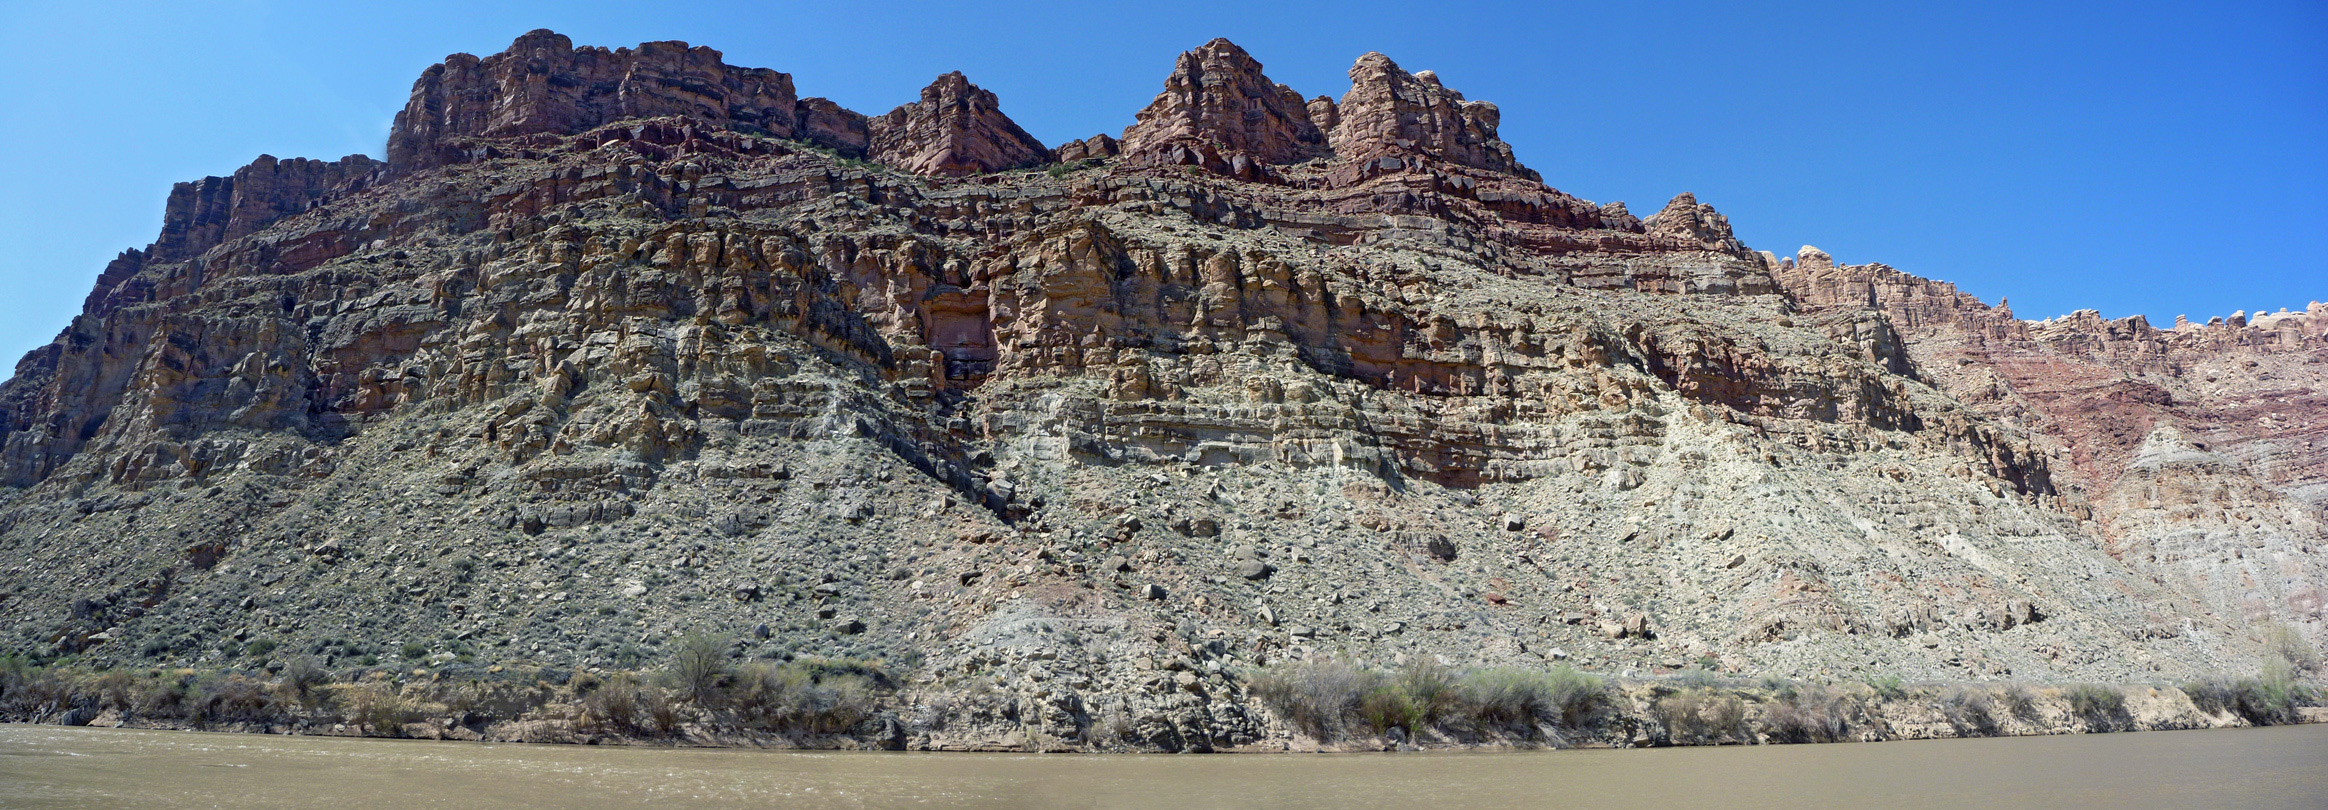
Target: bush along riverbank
[(701, 697)]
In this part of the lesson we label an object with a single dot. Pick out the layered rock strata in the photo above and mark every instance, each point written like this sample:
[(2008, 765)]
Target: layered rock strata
[(623, 343)]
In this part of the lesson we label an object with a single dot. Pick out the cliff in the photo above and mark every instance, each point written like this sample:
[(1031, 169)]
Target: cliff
[(623, 343)]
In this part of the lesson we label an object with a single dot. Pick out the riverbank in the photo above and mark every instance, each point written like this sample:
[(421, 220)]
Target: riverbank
[(44, 767), (1318, 706)]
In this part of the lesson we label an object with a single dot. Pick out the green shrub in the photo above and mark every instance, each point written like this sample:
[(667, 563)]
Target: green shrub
[(1888, 687), (413, 650), (259, 648), (1507, 697), (2270, 698)]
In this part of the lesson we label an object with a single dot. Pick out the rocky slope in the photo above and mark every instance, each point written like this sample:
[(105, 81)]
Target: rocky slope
[(622, 343)]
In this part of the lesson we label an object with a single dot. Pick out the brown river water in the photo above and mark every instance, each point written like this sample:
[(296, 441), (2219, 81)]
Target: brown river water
[(53, 766)]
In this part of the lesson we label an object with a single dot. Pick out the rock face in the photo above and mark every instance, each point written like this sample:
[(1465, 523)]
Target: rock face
[(1098, 439), (1392, 114), (2199, 452), (202, 214), (1218, 106), (956, 129), (544, 85)]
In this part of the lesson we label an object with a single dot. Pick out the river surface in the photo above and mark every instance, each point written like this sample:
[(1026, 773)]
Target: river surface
[(53, 766)]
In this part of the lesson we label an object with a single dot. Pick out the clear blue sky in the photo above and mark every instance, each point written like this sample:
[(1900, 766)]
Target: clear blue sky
[(2154, 158)]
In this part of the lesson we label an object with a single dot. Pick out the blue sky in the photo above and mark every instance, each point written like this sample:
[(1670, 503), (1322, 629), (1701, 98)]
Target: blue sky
[(2149, 158)]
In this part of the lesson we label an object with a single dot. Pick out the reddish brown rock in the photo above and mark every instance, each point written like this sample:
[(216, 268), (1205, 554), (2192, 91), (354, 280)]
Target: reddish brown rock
[(956, 129), (543, 84), (1217, 106), (206, 212), (822, 122), (1689, 222), (1096, 147), (1390, 113)]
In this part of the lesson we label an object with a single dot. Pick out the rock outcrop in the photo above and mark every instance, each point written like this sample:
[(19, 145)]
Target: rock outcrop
[(545, 85), (204, 213), (1099, 439), (1217, 108), (1390, 114), (956, 129), (2200, 452)]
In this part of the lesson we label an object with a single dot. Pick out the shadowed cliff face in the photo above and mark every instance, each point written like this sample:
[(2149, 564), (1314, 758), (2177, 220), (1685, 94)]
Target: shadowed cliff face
[(623, 342)]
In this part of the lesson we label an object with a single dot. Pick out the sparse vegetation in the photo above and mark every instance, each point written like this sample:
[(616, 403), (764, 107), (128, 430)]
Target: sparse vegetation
[(699, 664), (1327, 698), (1888, 687), (1816, 714), (1701, 716), (2102, 708), (1970, 711)]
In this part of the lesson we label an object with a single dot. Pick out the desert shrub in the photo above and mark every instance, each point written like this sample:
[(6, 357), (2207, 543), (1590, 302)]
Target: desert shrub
[(28, 689), (1574, 696), (2288, 645), (2102, 708), (114, 690), (378, 709), (1507, 697), (301, 675), (613, 706), (2212, 695), (1384, 706), (810, 697), (1971, 712), (2270, 698), (169, 694), (1888, 687), (1700, 716), (1433, 690), (412, 650), (1810, 715), (260, 648), (659, 710), (699, 665), (1696, 679), (491, 700), (1316, 696), (233, 699), (2019, 700)]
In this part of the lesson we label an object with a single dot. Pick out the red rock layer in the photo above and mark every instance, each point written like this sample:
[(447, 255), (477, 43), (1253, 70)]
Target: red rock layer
[(956, 129)]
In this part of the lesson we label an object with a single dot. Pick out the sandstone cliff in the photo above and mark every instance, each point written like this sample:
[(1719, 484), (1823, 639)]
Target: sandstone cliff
[(621, 343)]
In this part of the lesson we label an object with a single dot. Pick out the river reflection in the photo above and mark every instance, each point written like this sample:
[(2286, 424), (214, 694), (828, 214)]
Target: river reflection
[(50, 766)]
